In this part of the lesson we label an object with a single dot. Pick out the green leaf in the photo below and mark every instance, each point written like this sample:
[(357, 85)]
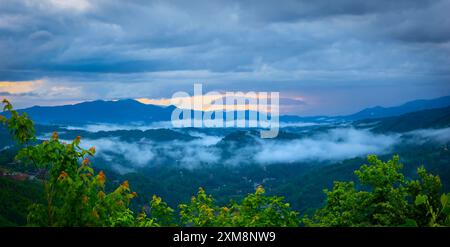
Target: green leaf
[(444, 200), (446, 211), (420, 199)]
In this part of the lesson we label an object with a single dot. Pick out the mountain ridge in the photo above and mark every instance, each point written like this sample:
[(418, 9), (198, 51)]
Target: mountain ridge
[(410, 106), (132, 111)]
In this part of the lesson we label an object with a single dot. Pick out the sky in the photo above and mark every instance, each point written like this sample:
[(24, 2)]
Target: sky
[(324, 57)]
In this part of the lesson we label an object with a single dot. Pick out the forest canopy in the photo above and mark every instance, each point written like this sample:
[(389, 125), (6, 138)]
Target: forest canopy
[(76, 195)]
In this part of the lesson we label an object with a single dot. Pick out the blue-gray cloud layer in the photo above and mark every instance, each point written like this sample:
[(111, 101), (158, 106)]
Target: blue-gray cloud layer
[(324, 51)]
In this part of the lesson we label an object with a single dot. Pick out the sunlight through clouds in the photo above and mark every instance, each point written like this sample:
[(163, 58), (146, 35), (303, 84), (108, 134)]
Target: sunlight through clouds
[(19, 87)]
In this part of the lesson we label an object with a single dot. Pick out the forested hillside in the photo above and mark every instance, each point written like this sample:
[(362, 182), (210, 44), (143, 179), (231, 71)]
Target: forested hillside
[(67, 190), (435, 118)]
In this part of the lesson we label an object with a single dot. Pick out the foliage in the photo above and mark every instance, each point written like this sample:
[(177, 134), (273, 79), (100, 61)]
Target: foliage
[(15, 198), (388, 200), (19, 125), (255, 210), (431, 208), (75, 195), (260, 210), (161, 213)]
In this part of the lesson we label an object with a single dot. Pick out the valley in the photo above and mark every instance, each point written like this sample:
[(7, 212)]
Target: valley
[(304, 159)]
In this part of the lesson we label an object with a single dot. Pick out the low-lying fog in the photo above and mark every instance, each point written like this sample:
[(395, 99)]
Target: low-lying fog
[(333, 144)]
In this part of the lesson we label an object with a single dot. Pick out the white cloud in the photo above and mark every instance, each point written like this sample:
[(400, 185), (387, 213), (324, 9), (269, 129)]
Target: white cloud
[(71, 5), (138, 154), (189, 154), (336, 144), (325, 146), (113, 127), (423, 135)]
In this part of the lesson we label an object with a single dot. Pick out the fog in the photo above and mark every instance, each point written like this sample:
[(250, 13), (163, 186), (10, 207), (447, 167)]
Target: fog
[(437, 135), (336, 144), (126, 156), (321, 146), (113, 127)]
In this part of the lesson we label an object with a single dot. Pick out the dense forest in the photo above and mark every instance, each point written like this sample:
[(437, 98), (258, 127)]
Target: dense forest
[(69, 192)]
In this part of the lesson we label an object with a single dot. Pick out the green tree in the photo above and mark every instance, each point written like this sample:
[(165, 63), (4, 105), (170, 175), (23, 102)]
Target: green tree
[(345, 206), (19, 125), (255, 210), (431, 207), (76, 196), (387, 204), (389, 200)]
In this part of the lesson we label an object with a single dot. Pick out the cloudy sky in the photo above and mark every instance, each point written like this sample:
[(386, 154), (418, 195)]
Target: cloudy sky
[(324, 57)]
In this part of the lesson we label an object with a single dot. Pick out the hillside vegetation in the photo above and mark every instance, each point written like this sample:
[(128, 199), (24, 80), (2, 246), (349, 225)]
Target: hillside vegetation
[(434, 118), (75, 194)]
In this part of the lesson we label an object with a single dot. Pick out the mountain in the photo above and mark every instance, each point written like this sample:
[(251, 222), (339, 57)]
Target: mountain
[(126, 111), (411, 106), (312, 119), (120, 112), (130, 111), (426, 119)]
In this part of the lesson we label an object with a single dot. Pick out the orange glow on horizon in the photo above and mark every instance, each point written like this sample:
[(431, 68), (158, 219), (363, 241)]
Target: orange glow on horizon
[(209, 103), (17, 87)]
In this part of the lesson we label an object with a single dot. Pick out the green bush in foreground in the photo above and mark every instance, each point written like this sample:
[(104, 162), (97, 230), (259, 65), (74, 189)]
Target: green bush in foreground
[(389, 200), (75, 195)]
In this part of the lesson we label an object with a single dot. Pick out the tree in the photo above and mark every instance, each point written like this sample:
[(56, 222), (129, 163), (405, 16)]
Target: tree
[(255, 210), (75, 194), (430, 208), (388, 201), (19, 125)]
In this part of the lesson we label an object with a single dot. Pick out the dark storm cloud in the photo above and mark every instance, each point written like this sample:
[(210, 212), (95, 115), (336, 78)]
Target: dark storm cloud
[(418, 26), (292, 46), (288, 11)]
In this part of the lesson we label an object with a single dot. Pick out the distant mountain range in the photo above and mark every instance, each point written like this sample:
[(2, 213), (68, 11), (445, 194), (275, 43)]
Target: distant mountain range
[(425, 119), (118, 112), (411, 106), (131, 111)]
